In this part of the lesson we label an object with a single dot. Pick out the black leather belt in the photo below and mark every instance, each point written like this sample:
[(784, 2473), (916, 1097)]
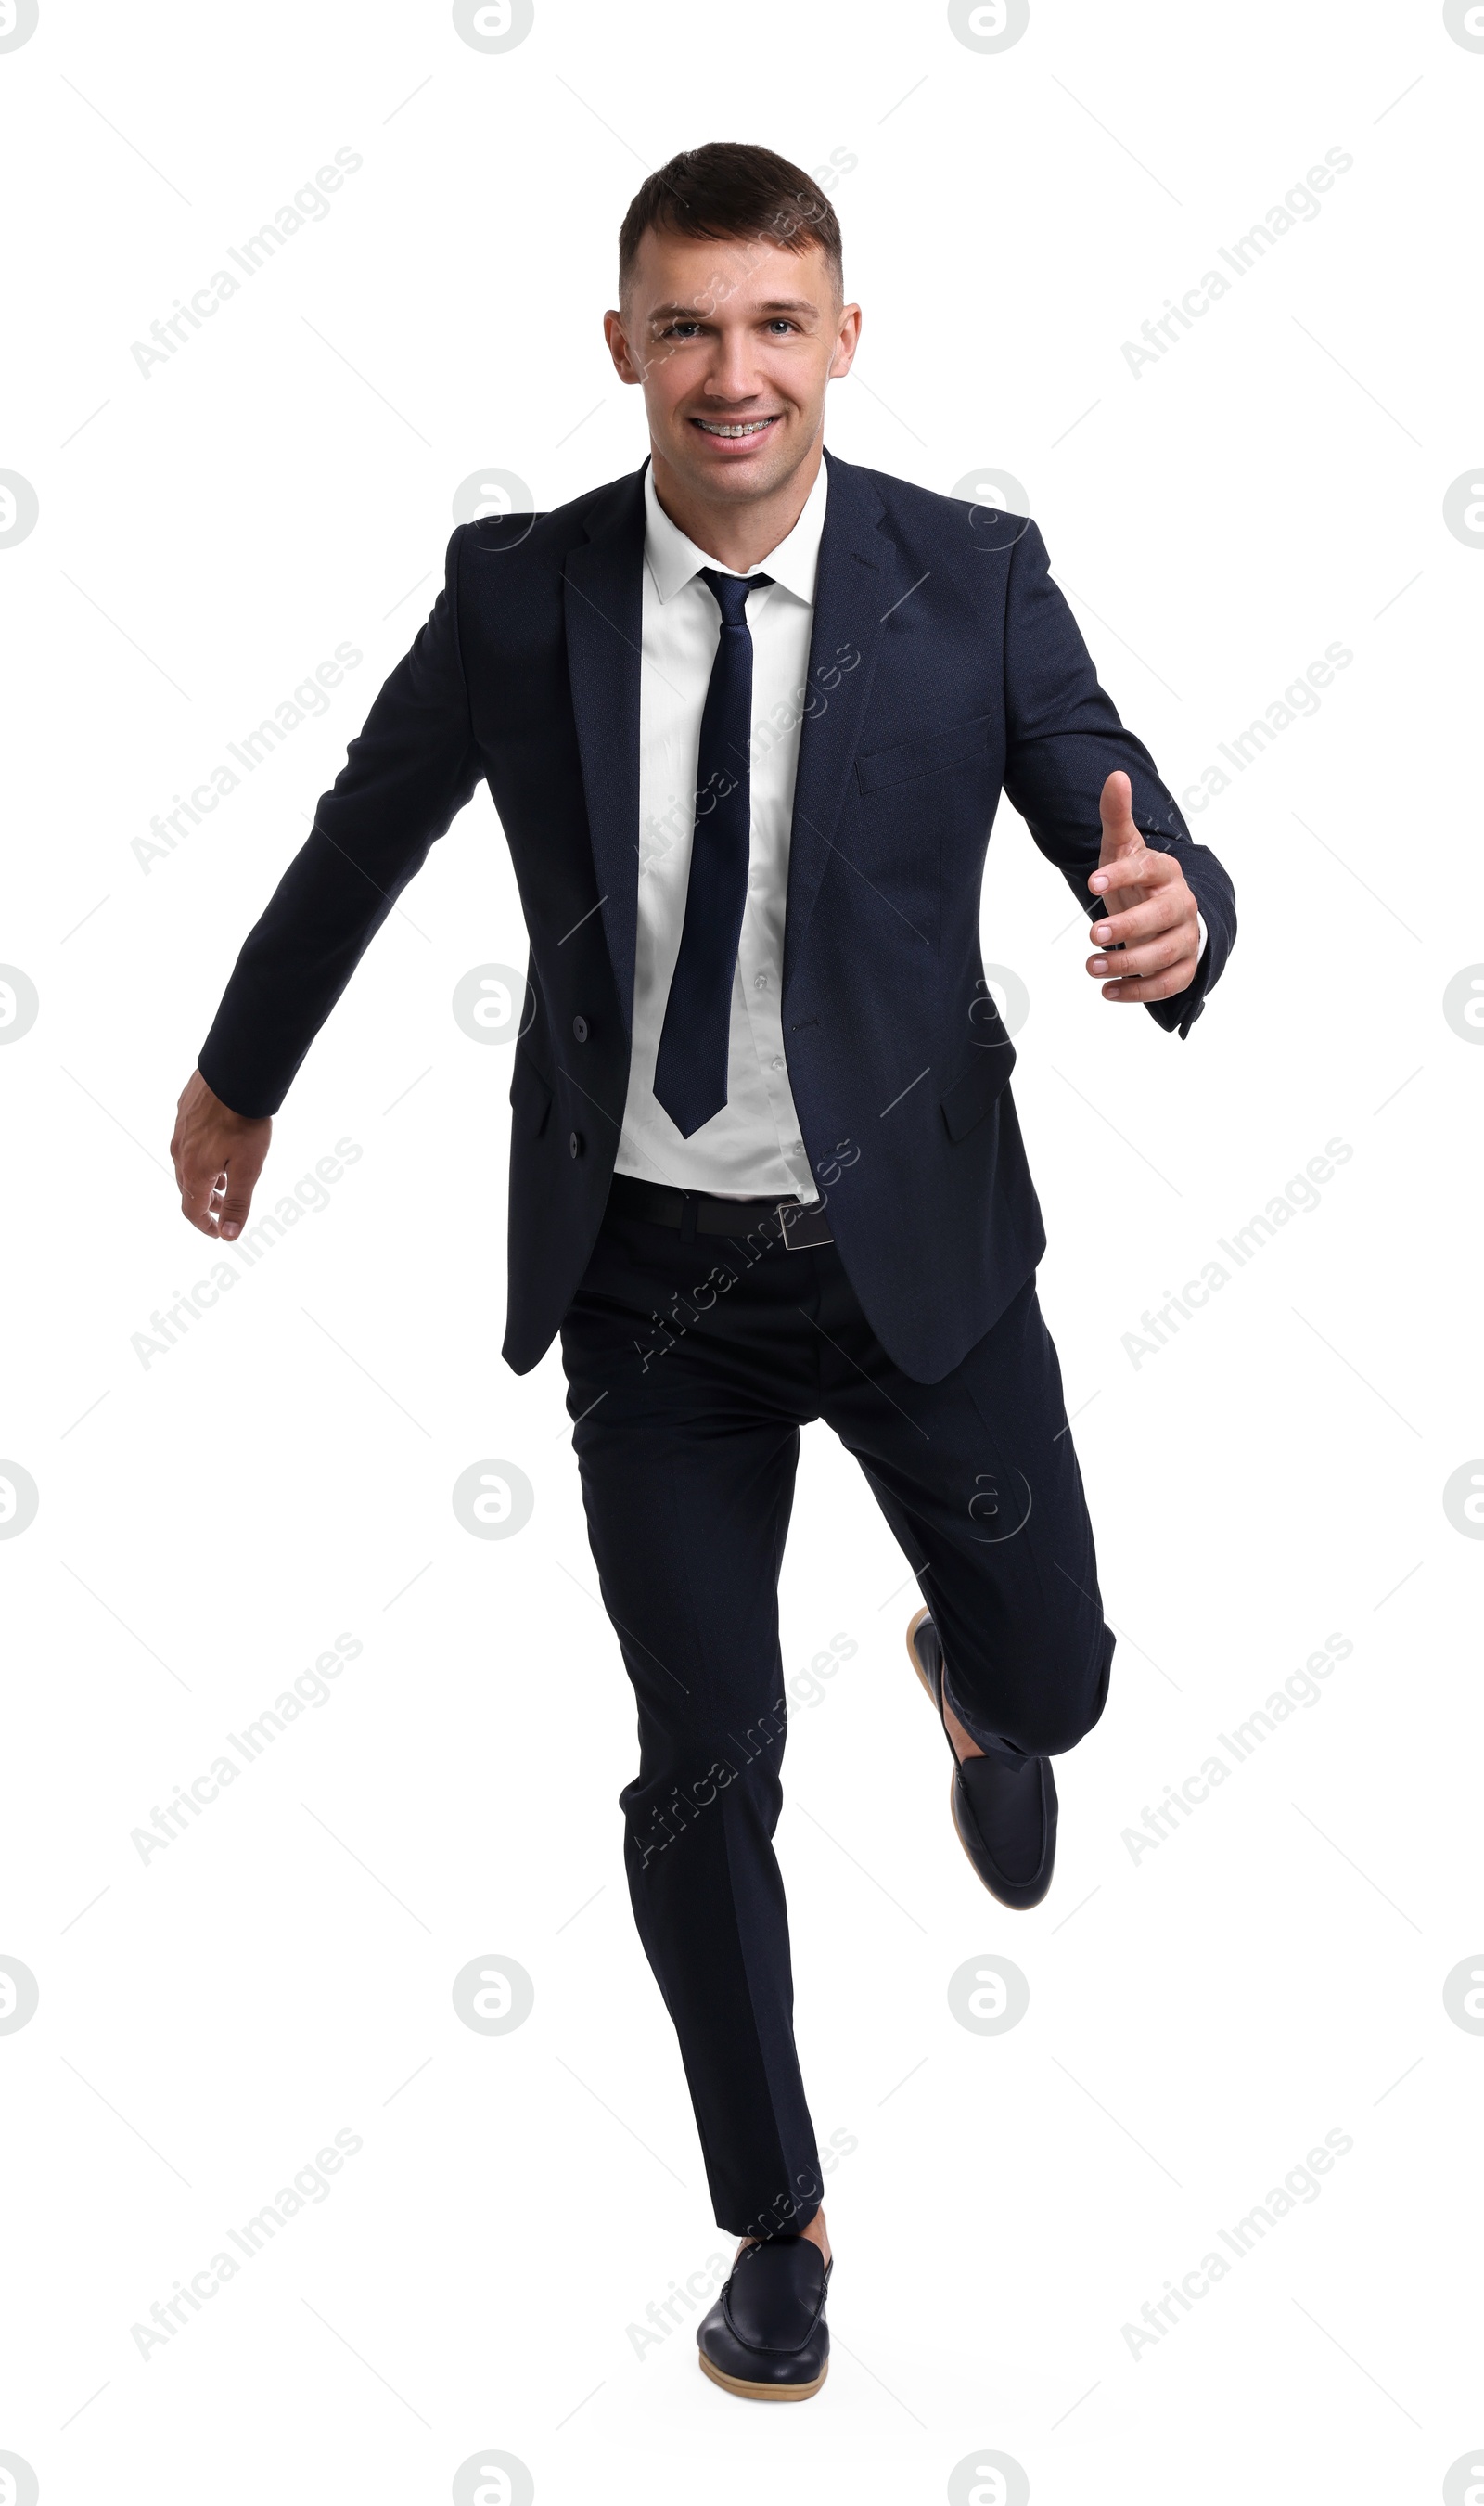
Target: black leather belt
[(707, 1213)]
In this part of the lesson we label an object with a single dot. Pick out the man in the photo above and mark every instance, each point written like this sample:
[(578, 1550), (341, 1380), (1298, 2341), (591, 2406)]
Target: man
[(744, 717)]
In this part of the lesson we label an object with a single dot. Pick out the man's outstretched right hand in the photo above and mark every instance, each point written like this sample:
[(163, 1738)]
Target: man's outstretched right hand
[(219, 1155)]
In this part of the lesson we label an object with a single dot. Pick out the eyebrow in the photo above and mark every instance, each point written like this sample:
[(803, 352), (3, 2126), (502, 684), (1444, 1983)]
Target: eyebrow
[(694, 313)]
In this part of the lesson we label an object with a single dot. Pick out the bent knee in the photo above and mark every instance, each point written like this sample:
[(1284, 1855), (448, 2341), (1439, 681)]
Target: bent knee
[(1044, 1703)]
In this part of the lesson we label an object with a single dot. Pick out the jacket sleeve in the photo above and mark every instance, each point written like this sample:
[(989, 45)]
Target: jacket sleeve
[(1064, 739), (404, 781)]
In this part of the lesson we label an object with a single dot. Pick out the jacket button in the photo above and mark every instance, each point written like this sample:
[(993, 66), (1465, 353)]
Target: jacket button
[(575, 1144), (579, 1029)]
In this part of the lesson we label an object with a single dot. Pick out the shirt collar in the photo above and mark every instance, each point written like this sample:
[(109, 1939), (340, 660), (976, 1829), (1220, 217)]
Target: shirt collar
[(674, 561)]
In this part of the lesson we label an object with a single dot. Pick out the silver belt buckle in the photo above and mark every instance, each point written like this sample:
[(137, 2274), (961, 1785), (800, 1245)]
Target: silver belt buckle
[(796, 1210)]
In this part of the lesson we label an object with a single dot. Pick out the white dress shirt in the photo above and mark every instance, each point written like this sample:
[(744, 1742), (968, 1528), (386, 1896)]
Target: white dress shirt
[(752, 1149)]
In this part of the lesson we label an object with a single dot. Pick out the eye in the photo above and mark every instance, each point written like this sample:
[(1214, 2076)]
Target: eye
[(781, 322), (679, 330)]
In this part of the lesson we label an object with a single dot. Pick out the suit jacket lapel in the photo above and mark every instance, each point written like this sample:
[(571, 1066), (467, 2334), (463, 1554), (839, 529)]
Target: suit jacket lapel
[(603, 594), (861, 579)]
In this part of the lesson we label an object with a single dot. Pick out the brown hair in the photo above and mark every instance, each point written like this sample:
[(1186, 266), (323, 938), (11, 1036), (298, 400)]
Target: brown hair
[(728, 191)]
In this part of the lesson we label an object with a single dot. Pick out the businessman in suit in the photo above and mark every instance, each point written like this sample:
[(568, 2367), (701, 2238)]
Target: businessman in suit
[(745, 716)]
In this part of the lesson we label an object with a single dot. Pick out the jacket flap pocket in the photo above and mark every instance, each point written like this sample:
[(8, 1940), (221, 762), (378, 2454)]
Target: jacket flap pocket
[(969, 1098), (530, 1096), (925, 755)]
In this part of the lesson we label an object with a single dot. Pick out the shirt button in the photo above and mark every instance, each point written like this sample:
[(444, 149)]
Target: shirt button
[(760, 983), (575, 1144), (579, 1030), (777, 1061)]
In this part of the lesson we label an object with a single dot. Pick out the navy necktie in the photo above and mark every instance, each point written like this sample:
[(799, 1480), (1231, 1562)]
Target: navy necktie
[(691, 1068)]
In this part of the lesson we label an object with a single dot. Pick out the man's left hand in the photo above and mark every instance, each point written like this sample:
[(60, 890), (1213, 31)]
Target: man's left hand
[(1149, 908)]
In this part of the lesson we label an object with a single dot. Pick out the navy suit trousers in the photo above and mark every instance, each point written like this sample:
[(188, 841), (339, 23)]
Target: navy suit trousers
[(691, 1367)]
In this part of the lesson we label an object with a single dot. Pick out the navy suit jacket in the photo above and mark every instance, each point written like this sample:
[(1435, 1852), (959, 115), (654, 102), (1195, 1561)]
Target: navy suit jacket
[(944, 667)]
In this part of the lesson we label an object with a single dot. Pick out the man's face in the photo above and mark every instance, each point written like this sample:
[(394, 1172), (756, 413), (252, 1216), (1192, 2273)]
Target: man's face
[(733, 342)]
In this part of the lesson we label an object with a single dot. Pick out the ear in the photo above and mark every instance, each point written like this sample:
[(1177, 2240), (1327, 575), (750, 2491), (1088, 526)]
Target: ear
[(847, 341), (618, 349)]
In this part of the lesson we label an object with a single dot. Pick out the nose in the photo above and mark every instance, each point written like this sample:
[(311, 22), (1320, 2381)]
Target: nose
[(733, 375)]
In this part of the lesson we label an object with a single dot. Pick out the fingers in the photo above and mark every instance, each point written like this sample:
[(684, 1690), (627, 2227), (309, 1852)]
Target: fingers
[(1154, 987), (218, 1156), (1144, 918), (238, 1199), (1158, 934), (1150, 920), (1161, 957), (1115, 808), (195, 1176), (1154, 971), (217, 1202), (197, 1195), (1140, 867), (216, 1189)]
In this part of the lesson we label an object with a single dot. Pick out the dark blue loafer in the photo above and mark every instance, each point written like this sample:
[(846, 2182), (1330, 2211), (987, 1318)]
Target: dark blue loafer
[(766, 2337), (1004, 1815)]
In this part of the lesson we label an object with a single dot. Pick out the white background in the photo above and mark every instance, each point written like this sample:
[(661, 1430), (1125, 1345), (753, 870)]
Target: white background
[(1199, 2018)]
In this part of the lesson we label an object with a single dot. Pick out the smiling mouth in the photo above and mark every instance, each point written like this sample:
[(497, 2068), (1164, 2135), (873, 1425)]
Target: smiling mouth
[(733, 431)]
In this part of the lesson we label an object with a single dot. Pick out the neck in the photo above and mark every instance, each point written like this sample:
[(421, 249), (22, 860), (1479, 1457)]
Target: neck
[(738, 536)]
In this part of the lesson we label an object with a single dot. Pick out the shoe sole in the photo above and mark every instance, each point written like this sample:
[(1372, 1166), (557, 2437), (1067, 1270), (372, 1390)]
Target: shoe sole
[(913, 1656), (761, 2392), (953, 1777), (953, 1781)]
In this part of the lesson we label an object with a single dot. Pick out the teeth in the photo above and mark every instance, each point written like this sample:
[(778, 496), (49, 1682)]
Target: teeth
[(753, 426)]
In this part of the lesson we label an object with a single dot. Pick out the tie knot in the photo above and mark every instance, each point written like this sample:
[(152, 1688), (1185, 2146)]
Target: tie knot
[(731, 590)]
